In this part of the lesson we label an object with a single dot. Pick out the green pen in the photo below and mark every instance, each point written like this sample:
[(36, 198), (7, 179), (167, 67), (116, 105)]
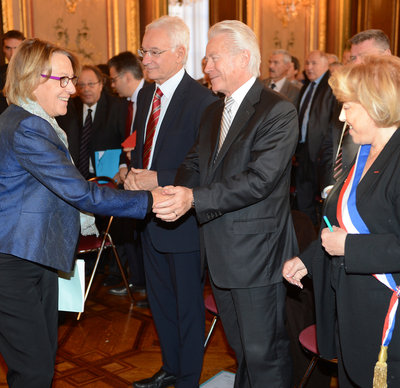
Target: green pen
[(328, 224)]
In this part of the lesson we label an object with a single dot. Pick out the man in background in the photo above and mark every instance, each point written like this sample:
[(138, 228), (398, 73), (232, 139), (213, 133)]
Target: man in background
[(314, 163), (11, 40), (95, 121), (279, 64), (126, 75), (368, 42)]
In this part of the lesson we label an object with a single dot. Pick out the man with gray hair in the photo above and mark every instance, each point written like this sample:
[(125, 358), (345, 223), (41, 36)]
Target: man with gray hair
[(167, 120), (236, 180), (279, 64)]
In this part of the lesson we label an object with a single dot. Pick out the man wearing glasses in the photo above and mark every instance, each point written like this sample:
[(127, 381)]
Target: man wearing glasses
[(167, 119), (95, 120)]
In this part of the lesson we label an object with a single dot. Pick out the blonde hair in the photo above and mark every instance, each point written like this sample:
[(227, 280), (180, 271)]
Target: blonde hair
[(375, 84), (242, 38), (32, 58)]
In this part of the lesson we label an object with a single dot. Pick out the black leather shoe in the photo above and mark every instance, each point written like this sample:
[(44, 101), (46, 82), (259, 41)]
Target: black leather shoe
[(121, 291), (160, 380)]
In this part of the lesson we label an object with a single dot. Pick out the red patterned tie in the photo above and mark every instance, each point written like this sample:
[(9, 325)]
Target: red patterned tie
[(129, 118), (151, 126)]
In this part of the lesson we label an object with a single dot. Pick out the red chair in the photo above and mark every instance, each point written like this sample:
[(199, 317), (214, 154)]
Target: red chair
[(99, 244), (308, 339), (211, 306)]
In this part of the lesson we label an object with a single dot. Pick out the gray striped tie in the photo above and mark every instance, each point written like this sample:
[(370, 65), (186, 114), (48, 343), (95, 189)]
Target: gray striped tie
[(226, 121)]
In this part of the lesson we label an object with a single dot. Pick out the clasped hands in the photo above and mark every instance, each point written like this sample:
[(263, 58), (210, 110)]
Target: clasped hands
[(169, 202)]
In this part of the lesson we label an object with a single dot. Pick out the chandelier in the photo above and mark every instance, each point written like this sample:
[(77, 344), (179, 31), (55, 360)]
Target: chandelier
[(180, 2), (287, 10)]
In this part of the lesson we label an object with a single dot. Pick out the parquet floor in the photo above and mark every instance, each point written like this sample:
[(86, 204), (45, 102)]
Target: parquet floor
[(115, 344)]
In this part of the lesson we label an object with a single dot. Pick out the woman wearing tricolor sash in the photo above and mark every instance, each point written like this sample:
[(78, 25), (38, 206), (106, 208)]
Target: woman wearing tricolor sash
[(355, 264)]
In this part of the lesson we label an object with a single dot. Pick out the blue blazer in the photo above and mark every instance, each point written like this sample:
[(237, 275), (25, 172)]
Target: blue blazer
[(41, 192), (178, 132)]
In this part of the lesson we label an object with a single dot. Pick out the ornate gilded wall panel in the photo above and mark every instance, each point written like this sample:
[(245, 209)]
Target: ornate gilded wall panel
[(94, 29)]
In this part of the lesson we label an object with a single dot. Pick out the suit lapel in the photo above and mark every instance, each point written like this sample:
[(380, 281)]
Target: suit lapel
[(285, 87), (382, 161), (212, 141), (245, 111), (100, 115)]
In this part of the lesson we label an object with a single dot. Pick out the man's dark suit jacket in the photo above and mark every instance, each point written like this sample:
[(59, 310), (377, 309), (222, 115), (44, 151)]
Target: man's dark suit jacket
[(242, 198), (177, 134), (362, 301), (289, 89), (321, 112), (108, 124)]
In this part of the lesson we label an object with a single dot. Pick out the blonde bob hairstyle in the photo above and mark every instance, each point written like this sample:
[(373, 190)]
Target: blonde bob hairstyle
[(32, 58), (375, 84)]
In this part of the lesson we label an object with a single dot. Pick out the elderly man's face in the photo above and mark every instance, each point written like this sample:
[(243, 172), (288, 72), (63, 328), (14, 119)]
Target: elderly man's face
[(9, 47), (89, 87), (167, 62), (224, 67), (315, 65), (277, 67), (369, 47)]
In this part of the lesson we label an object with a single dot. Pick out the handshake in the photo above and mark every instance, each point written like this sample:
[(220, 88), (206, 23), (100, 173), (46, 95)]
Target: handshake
[(169, 202)]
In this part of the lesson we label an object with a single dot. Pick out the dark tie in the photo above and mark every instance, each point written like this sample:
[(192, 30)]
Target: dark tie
[(84, 145), (305, 104), (272, 86), (129, 118), (338, 166), (151, 127)]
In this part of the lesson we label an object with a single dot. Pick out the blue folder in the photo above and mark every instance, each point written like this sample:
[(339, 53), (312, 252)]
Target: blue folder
[(107, 162)]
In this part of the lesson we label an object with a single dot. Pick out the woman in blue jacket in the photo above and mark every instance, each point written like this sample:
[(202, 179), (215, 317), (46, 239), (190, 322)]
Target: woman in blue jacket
[(42, 195)]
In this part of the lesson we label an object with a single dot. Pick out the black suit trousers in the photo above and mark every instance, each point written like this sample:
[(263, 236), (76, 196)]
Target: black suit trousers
[(253, 320), (175, 293), (28, 321)]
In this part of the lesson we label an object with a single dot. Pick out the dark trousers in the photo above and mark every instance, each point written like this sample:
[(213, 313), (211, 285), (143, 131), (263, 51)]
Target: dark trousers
[(28, 321), (253, 320), (175, 293)]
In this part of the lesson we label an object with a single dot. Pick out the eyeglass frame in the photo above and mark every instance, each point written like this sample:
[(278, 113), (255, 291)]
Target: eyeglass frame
[(62, 79), (151, 53), (113, 79), (90, 85)]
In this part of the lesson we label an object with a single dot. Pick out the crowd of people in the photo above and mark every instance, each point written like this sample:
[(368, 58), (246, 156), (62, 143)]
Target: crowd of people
[(205, 181)]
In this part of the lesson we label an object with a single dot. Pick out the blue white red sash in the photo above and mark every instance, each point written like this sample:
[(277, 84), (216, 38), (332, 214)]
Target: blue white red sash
[(349, 219)]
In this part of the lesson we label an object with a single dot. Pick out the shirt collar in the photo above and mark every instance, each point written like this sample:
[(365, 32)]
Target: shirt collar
[(169, 86), (278, 84), (318, 80), (86, 107), (133, 98), (239, 94)]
